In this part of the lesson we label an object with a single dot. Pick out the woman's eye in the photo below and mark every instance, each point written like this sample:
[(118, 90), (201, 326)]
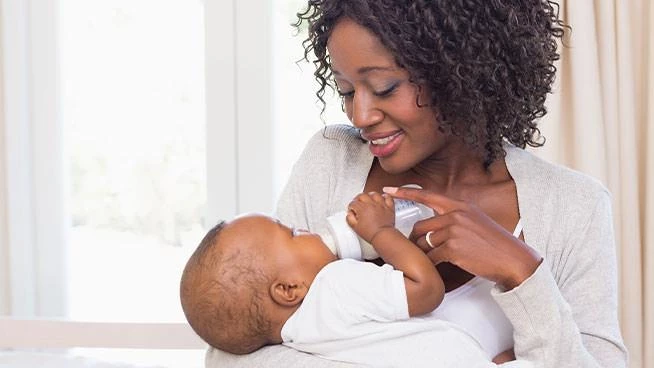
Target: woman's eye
[(384, 93), (348, 94), (388, 91)]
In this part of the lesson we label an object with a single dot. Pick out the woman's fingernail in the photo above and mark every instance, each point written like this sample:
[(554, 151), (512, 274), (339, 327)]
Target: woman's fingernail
[(390, 190)]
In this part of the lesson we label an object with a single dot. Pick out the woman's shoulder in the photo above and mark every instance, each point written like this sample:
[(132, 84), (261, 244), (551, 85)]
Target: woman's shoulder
[(335, 144), (336, 136), (270, 356), (556, 203), (341, 132), (544, 179)]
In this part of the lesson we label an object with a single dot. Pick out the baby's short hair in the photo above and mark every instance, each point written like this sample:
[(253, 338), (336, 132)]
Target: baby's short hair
[(222, 293)]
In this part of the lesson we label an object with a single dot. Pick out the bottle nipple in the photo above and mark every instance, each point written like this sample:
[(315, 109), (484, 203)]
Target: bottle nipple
[(346, 241)]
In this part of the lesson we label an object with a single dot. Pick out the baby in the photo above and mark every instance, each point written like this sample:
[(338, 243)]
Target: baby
[(254, 282)]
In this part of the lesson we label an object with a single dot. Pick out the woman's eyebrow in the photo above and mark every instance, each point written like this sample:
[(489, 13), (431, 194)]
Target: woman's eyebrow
[(368, 69)]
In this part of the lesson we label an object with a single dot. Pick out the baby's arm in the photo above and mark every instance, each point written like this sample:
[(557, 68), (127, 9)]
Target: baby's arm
[(372, 216)]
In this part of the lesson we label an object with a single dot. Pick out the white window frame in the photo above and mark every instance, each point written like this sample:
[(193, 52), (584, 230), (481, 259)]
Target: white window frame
[(239, 113), (33, 223), (61, 334)]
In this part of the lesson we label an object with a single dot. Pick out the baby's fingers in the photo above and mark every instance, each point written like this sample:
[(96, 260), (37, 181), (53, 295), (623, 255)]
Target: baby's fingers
[(376, 197), (351, 217), (388, 200), (362, 197)]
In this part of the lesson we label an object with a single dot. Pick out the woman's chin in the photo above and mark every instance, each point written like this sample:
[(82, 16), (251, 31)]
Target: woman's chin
[(395, 165)]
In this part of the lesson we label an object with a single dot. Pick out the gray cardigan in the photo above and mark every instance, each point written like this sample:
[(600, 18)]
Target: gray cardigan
[(564, 315)]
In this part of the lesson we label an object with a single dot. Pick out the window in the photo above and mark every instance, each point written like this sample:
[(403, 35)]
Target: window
[(132, 102), (133, 107), (296, 110), (135, 125)]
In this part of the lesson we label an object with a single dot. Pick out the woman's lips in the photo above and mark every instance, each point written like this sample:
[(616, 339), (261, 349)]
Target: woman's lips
[(385, 146)]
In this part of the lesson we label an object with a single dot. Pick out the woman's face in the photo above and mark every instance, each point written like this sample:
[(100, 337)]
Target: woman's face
[(380, 100)]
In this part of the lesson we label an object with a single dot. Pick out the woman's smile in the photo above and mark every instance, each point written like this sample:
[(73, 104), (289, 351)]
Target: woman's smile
[(385, 145)]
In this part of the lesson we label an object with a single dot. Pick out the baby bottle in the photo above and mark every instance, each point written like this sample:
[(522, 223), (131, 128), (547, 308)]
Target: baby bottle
[(345, 243)]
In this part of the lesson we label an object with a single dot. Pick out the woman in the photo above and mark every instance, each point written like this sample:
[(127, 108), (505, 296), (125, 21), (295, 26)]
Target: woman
[(445, 94)]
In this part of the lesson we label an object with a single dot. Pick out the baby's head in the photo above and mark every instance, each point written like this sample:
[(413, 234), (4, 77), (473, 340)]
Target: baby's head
[(246, 278)]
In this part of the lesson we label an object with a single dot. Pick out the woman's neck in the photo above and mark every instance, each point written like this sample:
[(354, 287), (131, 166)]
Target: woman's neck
[(458, 165), (455, 170)]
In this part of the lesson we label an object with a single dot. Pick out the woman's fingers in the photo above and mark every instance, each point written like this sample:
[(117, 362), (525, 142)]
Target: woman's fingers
[(436, 235), (439, 255), (435, 224)]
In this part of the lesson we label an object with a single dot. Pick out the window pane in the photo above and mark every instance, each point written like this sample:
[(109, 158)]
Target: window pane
[(133, 109), (295, 105)]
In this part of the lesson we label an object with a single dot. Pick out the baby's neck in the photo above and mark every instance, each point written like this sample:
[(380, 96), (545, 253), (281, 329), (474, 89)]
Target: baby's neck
[(278, 320)]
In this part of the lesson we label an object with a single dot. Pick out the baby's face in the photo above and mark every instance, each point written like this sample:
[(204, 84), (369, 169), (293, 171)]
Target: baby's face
[(286, 249)]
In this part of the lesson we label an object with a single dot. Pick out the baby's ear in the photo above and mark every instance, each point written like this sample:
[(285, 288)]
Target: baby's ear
[(287, 293)]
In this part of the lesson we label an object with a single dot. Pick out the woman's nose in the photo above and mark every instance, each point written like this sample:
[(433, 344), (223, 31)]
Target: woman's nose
[(364, 112)]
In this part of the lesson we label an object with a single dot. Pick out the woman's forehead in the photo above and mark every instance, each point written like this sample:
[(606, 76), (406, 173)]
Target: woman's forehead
[(351, 44)]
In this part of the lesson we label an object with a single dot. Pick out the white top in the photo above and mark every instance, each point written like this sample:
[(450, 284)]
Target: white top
[(472, 308), (564, 315), (358, 312)]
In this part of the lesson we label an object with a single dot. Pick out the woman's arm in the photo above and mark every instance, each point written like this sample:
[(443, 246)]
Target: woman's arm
[(270, 356), (570, 320)]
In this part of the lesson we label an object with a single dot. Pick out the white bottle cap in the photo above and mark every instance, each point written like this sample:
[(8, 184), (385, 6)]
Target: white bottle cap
[(345, 239)]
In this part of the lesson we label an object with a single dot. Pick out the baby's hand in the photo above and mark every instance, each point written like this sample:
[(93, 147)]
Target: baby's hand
[(370, 213)]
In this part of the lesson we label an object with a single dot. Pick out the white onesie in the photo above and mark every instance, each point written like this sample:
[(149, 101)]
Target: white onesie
[(358, 312)]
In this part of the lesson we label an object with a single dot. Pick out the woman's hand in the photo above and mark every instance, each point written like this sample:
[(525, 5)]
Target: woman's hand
[(465, 236), (369, 213)]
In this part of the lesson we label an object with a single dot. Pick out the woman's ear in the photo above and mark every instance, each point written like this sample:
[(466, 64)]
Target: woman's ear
[(287, 293)]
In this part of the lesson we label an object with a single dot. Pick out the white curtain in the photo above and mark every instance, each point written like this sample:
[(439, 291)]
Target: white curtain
[(4, 251), (599, 123), (32, 227), (647, 190), (4, 260)]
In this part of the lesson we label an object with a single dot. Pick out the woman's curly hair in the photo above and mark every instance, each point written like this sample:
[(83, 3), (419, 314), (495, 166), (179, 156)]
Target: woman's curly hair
[(489, 64)]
